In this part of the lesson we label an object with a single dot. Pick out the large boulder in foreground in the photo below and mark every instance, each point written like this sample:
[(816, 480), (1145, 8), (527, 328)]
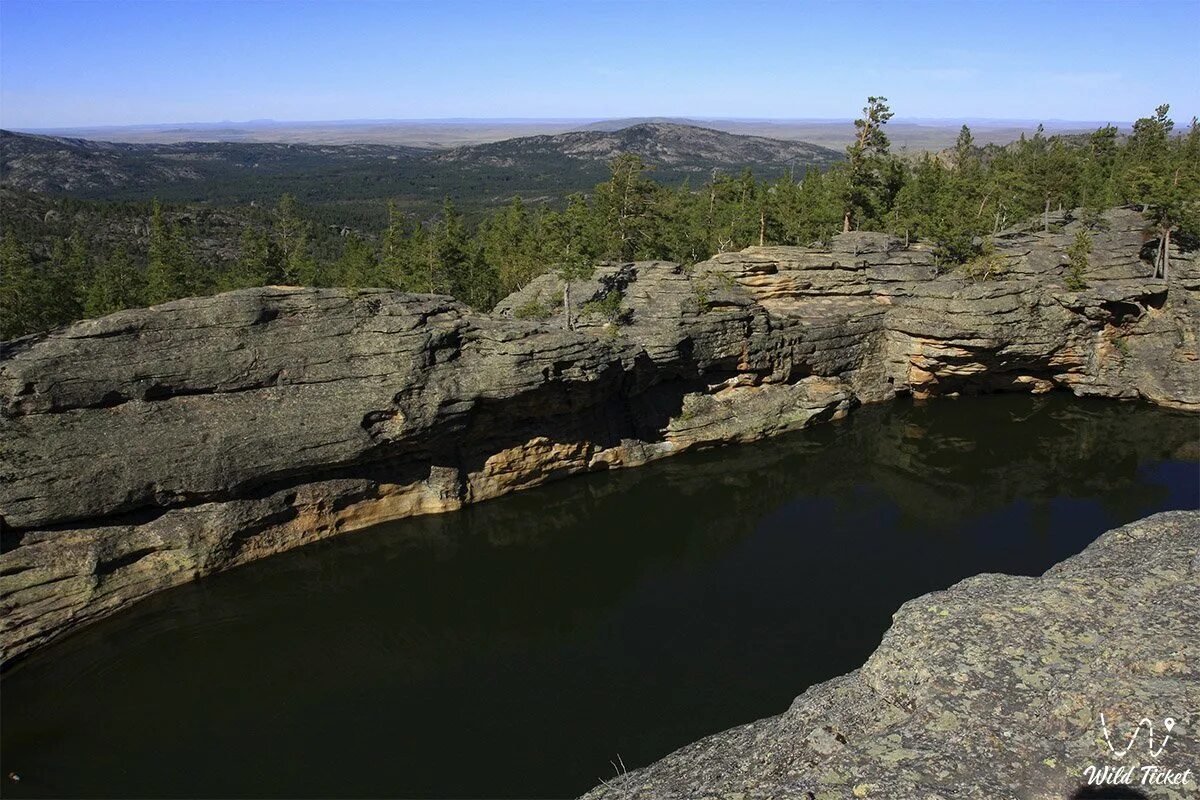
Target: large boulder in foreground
[(993, 688)]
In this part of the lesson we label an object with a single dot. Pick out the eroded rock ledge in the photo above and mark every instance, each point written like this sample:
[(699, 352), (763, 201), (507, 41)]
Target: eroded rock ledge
[(990, 689), (154, 446)]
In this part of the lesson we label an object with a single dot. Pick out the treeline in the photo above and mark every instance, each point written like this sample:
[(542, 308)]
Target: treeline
[(956, 201)]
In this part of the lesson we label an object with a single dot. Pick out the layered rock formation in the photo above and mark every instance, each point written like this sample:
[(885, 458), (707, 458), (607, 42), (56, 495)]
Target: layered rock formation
[(153, 446), (993, 688)]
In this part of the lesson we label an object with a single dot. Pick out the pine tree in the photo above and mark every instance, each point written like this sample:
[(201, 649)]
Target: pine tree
[(292, 234), (1056, 178), (259, 261), (357, 268), (571, 249), (917, 204), (483, 282), (682, 235), (1148, 143), (1099, 170), (1162, 177), (451, 253), (971, 195), (169, 271), (424, 275), (510, 245), (863, 157), (1078, 261), (395, 256), (819, 202), (117, 284), (66, 275), (22, 290), (964, 147), (407, 274), (743, 212), (624, 205)]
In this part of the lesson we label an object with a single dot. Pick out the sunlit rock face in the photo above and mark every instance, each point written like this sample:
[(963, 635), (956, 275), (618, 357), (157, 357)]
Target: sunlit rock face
[(1125, 335), (153, 446), (1000, 686)]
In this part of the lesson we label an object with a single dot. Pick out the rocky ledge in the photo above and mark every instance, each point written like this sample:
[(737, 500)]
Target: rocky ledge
[(993, 688), (154, 446)]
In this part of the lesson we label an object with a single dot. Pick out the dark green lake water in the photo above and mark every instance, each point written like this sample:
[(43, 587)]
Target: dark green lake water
[(513, 649)]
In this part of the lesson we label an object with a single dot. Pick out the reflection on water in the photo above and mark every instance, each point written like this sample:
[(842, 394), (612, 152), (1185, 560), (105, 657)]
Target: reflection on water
[(514, 648)]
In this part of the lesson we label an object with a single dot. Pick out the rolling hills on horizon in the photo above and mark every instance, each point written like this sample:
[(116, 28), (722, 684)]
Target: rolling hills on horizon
[(676, 151), (906, 133), (544, 167)]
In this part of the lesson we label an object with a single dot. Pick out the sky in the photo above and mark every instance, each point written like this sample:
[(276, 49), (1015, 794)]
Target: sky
[(67, 63)]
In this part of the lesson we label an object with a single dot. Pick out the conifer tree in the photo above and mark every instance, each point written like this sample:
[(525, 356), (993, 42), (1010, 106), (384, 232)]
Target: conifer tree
[(1149, 141), (571, 249), (682, 234), (863, 156), (624, 204), (1078, 261), (425, 270), (292, 235), (66, 277), (1165, 174), (1098, 172), (820, 203), (395, 257), (451, 253), (971, 196), (22, 301), (117, 284), (357, 268), (166, 272), (483, 282), (259, 261), (1056, 178), (509, 241)]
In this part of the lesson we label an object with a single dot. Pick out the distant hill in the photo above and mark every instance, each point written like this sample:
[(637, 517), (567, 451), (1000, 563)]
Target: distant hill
[(629, 122), (442, 133), (107, 170), (914, 135), (911, 133), (535, 167), (676, 151)]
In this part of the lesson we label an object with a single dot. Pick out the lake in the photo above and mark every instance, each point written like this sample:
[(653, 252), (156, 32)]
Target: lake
[(515, 648)]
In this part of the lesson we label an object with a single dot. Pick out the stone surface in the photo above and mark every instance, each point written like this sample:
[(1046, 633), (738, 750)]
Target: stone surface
[(154, 446), (992, 688)]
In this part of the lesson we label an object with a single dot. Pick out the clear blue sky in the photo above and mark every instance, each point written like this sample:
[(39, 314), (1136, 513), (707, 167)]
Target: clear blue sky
[(91, 63)]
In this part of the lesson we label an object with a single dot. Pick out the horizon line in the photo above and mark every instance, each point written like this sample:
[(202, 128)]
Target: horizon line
[(269, 122)]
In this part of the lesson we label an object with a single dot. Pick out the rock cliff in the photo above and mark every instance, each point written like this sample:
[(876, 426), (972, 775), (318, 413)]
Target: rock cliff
[(153, 446), (993, 688)]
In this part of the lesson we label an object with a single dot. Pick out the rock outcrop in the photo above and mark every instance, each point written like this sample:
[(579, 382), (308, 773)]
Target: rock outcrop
[(154, 446), (993, 688)]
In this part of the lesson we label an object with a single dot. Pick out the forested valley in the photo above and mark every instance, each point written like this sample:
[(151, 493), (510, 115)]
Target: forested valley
[(63, 259)]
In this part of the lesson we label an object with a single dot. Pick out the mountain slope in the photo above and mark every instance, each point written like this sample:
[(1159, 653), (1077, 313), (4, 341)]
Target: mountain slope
[(670, 147), (628, 122), (87, 168), (536, 167)]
